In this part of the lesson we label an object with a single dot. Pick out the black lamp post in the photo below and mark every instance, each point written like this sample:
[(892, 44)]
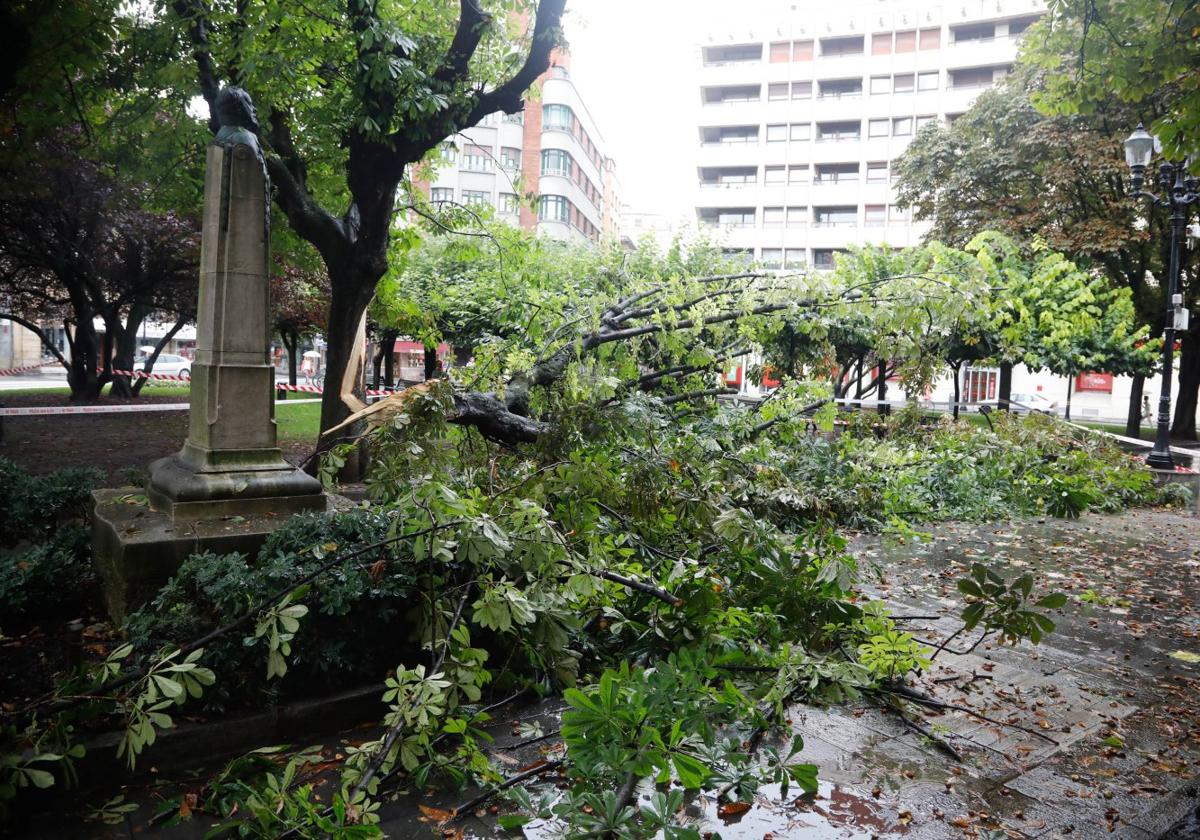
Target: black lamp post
[(1179, 190)]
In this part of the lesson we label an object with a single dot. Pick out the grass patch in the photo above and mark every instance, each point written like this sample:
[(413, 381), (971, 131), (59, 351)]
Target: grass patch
[(297, 421)]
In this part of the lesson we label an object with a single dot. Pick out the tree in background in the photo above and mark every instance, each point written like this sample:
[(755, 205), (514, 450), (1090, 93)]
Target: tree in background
[(1007, 167), (351, 95), (299, 299), (76, 245), (1142, 53)]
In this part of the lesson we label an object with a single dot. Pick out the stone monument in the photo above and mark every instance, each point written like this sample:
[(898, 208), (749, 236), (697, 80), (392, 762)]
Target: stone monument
[(229, 485)]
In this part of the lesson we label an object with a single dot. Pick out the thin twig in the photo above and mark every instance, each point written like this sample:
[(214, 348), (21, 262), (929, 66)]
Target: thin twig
[(471, 805)]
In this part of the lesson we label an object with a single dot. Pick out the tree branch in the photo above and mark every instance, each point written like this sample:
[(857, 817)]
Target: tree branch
[(509, 97), (472, 23)]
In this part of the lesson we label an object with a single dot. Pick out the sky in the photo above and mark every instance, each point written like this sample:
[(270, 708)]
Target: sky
[(639, 82)]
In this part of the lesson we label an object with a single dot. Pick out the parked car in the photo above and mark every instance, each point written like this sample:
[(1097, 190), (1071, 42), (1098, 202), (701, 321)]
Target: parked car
[(169, 364)]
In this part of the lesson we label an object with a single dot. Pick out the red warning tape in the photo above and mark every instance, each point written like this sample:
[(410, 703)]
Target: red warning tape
[(28, 369)]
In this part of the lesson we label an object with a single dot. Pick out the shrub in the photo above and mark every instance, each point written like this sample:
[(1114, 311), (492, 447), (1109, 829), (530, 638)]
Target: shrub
[(358, 617), (50, 579), (31, 505)]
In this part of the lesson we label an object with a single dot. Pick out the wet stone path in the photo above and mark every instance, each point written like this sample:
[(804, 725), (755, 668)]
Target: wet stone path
[(1095, 733)]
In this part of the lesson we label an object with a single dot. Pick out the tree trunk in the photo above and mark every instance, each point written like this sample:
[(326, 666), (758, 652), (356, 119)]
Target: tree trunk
[(1004, 397), (884, 409), (83, 375), (389, 360), (1133, 420), (376, 364), (347, 303), (1070, 390), (957, 388), (431, 363), (1183, 425), (124, 342)]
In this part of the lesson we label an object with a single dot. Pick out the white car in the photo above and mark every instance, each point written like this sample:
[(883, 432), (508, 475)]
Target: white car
[(1028, 404), (168, 364)]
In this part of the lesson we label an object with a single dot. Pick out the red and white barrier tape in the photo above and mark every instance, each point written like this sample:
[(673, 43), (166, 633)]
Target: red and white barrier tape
[(141, 374), (36, 410), (27, 369)]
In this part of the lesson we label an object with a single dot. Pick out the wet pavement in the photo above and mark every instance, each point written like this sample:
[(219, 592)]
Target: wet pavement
[(1093, 733)]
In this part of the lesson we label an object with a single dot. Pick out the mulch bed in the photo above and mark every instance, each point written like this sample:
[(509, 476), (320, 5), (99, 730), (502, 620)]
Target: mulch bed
[(122, 445)]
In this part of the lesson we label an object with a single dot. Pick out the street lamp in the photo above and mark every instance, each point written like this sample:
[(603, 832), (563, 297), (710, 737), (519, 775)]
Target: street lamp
[(1179, 190)]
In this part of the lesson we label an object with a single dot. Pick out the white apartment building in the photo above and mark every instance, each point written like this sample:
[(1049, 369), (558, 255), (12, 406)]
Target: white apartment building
[(800, 117), (542, 169)]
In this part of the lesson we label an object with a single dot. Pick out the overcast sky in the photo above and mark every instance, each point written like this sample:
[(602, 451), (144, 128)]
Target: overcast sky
[(639, 82)]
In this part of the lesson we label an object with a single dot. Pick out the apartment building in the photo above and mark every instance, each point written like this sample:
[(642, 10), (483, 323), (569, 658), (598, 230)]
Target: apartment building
[(543, 169), (800, 118)]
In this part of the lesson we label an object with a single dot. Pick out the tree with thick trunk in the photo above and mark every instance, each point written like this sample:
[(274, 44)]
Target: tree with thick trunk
[(398, 87)]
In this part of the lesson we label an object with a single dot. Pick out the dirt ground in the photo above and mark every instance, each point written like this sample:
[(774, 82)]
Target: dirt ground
[(122, 445)]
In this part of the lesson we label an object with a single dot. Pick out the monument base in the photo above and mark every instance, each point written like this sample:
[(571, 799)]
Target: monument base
[(137, 549), (184, 488)]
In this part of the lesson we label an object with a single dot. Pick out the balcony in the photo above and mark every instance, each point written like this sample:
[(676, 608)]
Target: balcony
[(735, 55)]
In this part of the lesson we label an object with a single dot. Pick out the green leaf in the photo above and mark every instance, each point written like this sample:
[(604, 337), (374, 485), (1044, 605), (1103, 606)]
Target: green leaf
[(1053, 601), (38, 778), (692, 773), (509, 822)]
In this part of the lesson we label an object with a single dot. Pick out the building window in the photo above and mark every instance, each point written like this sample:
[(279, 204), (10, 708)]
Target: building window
[(931, 39), (873, 215), (741, 255), (877, 172), (772, 217), (801, 90), (922, 121), (781, 51), (881, 43), (848, 45), (798, 174), (736, 217), (772, 257), (440, 195), (838, 131), (510, 158), (902, 126), (906, 41), (508, 203), (797, 216), (897, 214), (557, 117), (904, 83), (846, 216), (973, 77), (837, 173), (877, 128), (840, 88), (881, 85), (553, 208), (556, 162), (777, 91), (515, 119), (477, 159), (802, 51), (776, 133), (927, 81), (823, 258), (800, 131), (476, 198), (773, 175), (794, 258)]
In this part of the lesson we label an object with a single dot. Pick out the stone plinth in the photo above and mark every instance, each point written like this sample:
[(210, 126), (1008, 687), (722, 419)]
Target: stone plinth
[(137, 549)]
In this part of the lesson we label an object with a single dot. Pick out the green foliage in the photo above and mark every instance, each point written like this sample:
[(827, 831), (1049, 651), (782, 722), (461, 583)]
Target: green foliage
[(1093, 51), (1005, 607), (347, 627), (47, 580), (32, 505), (925, 469)]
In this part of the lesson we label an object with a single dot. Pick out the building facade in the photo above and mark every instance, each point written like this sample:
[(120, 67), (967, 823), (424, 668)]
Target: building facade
[(544, 169), (800, 118)]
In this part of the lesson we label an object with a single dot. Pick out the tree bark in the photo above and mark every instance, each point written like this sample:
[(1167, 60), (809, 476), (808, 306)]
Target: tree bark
[(1183, 425), (389, 360), (884, 409), (348, 301), (431, 363), (957, 387), (158, 348), (1133, 419), (1070, 390), (1004, 395)]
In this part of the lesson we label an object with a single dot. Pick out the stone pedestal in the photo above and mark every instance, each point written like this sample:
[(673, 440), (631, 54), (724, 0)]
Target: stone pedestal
[(229, 486)]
